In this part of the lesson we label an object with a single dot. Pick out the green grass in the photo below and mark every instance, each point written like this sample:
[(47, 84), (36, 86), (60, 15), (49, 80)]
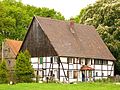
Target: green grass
[(53, 86)]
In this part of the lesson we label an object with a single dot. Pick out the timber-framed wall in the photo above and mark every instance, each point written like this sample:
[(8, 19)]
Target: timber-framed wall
[(64, 71)]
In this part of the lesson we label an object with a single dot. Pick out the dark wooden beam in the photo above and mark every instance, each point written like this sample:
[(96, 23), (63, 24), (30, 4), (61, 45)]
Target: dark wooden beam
[(58, 68), (94, 71), (49, 69), (37, 78), (63, 70), (77, 68), (68, 68)]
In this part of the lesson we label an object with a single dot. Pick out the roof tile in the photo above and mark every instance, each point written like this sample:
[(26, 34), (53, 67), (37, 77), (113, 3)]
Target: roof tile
[(85, 42), (14, 45)]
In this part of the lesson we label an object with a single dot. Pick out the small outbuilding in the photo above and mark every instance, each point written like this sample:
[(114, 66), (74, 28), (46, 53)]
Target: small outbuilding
[(10, 49)]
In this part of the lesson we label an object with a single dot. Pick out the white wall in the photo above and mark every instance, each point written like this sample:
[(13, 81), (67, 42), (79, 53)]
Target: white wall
[(71, 67)]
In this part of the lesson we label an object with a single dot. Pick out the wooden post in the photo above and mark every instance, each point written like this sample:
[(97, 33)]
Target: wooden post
[(49, 69), (85, 75), (94, 71), (68, 69), (107, 69), (77, 68), (102, 70), (46, 66), (52, 66), (42, 69), (59, 68), (63, 70), (37, 78)]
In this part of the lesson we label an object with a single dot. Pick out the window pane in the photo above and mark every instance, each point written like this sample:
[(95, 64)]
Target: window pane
[(55, 59), (41, 60), (70, 60), (96, 73), (97, 62), (70, 74), (105, 62), (79, 60), (75, 74), (74, 61)]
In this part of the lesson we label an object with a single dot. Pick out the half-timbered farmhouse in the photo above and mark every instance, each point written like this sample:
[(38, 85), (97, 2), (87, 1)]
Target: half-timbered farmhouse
[(67, 51)]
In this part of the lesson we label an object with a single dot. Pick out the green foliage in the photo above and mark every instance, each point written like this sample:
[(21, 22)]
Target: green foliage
[(23, 69), (15, 18), (105, 16), (106, 80), (3, 72)]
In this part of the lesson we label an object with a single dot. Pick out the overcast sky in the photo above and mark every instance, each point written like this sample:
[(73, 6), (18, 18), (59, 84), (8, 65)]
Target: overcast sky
[(68, 8)]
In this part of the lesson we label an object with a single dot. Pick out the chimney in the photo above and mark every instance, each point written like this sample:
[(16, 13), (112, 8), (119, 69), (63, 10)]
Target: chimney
[(72, 25)]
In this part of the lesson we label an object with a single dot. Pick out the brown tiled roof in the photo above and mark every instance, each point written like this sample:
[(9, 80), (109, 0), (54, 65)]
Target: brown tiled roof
[(85, 42), (14, 45)]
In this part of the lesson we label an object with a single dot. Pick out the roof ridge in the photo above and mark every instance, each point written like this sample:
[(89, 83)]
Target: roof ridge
[(49, 18)]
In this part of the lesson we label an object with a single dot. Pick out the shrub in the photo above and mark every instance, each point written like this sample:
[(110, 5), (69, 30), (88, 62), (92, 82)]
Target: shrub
[(3, 72), (23, 68), (105, 80)]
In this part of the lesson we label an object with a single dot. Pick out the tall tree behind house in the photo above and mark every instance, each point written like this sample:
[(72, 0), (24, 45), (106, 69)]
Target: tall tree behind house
[(15, 18), (105, 16)]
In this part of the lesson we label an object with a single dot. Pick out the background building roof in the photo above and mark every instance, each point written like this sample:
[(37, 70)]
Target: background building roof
[(14, 45)]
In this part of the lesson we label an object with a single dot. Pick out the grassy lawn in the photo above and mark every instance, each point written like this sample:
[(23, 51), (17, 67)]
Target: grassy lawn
[(53, 86)]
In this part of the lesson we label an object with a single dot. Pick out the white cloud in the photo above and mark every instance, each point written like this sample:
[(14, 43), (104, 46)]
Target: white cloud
[(68, 8)]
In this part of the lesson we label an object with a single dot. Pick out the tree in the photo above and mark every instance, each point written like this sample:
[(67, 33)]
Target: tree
[(15, 18), (23, 68), (104, 15), (3, 72)]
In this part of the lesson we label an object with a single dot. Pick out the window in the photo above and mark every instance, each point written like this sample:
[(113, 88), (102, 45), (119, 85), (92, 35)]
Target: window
[(41, 60), (75, 74), (105, 62), (9, 62), (102, 74), (79, 60), (98, 62), (69, 60), (90, 73), (42, 73), (55, 59), (96, 73), (8, 49), (74, 61), (86, 61), (69, 74), (51, 59), (91, 62), (51, 73), (101, 62)]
